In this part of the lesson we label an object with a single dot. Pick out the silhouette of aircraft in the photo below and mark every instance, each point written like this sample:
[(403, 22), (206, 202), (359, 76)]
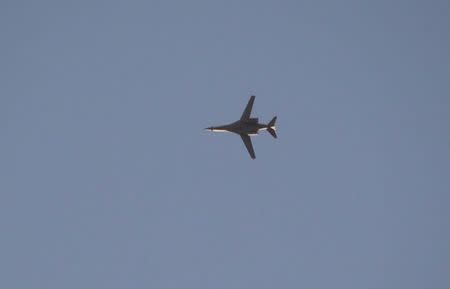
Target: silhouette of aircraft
[(246, 127)]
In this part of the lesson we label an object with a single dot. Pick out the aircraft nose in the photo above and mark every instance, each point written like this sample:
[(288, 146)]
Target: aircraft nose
[(209, 128)]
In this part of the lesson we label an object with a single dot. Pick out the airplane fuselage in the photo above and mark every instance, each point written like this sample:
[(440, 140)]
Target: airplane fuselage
[(250, 127)]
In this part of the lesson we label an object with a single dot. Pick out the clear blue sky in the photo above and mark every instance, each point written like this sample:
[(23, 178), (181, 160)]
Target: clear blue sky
[(108, 180)]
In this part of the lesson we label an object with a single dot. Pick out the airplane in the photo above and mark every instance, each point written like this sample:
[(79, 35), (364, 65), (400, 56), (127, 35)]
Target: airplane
[(247, 126)]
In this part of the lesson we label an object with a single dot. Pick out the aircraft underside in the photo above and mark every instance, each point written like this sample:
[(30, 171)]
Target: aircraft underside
[(247, 126)]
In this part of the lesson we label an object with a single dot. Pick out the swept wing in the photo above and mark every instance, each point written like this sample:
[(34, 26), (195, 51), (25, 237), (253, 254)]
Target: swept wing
[(248, 144), (248, 109)]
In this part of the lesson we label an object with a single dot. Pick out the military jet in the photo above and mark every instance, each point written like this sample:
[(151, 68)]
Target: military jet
[(246, 127)]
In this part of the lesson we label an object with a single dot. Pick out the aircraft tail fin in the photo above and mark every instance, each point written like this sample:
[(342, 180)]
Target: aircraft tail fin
[(271, 127)]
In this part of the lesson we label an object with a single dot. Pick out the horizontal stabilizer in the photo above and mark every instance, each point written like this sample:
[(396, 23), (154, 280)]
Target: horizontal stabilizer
[(271, 127)]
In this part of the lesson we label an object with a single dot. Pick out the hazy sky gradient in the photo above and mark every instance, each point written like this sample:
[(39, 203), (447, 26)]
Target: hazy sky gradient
[(107, 179)]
